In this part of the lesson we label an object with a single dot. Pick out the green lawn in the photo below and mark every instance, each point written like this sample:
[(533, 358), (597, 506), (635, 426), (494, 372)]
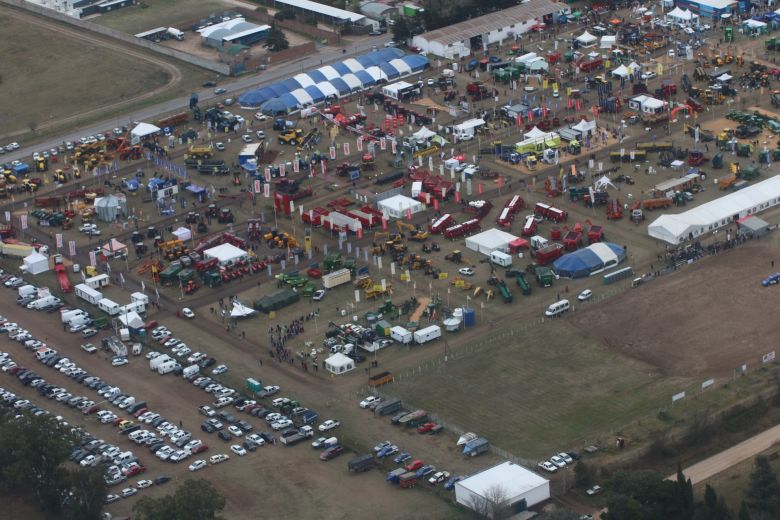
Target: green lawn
[(157, 13), (546, 389)]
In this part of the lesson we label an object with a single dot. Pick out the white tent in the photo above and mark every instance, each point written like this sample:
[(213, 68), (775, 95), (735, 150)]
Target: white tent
[(607, 41), (35, 263), (724, 78), (681, 15), (603, 183), (534, 132), (754, 24), (397, 206), (327, 89), (303, 80), (339, 364), (423, 133), (226, 254), (183, 234), (131, 320), (717, 213), (489, 241), (585, 126), (142, 130), (241, 311), (634, 66), (621, 72), (586, 39)]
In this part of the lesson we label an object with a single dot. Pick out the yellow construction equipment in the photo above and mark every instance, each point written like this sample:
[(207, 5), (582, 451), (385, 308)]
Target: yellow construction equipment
[(201, 152), (415, 234), (377, 290), (293, 137), (364, 282)]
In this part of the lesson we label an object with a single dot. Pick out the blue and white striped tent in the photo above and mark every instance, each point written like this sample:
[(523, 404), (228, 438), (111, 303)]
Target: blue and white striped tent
[(338, 79)]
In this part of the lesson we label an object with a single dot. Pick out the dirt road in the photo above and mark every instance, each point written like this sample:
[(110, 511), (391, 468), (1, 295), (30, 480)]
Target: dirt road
[(725, 459)]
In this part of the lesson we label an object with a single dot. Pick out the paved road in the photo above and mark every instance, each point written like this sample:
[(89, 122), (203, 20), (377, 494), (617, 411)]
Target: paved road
[(286, 70), (725, 459)]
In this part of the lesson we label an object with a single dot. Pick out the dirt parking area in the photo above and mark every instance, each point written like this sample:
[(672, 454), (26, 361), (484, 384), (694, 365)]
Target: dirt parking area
[(711, 321)]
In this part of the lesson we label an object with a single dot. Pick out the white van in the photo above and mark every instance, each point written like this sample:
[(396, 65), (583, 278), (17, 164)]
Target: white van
[(557, 308)]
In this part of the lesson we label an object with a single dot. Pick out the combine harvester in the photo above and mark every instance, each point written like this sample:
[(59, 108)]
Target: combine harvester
[(62, 274)]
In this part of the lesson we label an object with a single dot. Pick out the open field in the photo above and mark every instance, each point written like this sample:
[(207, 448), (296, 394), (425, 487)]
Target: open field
[(72, 75), (158, 13)]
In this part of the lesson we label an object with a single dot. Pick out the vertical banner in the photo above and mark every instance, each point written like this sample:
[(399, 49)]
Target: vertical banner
[(393, 146), (382, 143), (296, 165), (58, 238), (266, 190), (323, 168), (8, 216), (409, 214), (23, 220), (357, 295), (258, 186), (268, 175), (346, 148), (281, 169), (359, 144), (333, 153), (72, 247), (480, 188), (92, 258)]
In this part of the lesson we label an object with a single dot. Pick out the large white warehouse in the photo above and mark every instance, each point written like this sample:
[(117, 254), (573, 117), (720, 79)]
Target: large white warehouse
[(455, 41), (717, 213), (519, 487)]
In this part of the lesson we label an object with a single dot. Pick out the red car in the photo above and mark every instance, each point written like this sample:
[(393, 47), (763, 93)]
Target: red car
[(415, 465), (140, 412), (332, 452), (426, 427), (133, 469), (200, 448)]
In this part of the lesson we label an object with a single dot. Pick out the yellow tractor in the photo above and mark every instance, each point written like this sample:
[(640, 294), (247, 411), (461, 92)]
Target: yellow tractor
[(291, 137)]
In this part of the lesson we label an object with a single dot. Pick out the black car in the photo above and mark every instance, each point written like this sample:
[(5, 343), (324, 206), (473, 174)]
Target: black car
[(245, 426), (227, 417), (206, 363), (162, 479), (158, 421), (154, 448), (207, 427), (267, 437), (249, 446), (225, 436)]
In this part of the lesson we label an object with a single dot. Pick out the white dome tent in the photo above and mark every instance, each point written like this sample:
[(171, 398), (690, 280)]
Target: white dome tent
[(586, 39)]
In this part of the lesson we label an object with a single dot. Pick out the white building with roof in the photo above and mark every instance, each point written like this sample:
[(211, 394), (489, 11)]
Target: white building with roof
[(455, 41), (716, 214), (398, 206), (646, 104), (521, 488), (489, 241), (226, 254), (331, 15)]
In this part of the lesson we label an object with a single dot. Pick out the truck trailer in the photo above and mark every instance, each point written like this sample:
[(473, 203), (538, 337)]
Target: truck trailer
[(476, 447), (361, 463), (427, 334), (336, 278)]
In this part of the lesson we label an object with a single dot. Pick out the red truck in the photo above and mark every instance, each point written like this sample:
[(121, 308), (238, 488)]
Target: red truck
[(313, 217), (515, 204), (549, 253), (614, 209), (478, 208), (460, 230), (572, 240), (595, 234), (529, 228), (505, 218), (590, 65)]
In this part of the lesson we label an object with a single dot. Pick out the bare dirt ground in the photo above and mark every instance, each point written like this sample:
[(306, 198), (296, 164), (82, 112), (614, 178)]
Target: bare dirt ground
[(712, 320), (746, 449), (79, 62)]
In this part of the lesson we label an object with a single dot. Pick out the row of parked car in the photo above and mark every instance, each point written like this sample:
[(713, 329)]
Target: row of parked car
[(559, 461), (418, 467)]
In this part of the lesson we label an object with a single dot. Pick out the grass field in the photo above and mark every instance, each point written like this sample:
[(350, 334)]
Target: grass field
[(50, 76), (537, 390), (158, 13), (732, 483)]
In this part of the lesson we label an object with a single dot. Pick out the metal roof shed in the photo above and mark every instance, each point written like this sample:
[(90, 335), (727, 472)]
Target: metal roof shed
[(324, 10), (521, 487)]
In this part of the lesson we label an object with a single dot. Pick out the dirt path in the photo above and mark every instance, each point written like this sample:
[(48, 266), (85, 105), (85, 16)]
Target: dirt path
[(173, 72), (725, 459)]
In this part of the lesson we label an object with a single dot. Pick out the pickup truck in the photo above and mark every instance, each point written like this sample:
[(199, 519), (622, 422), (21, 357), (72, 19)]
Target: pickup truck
[(290, 437)]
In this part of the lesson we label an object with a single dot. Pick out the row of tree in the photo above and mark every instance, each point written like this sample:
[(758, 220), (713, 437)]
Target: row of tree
[(32, 467)]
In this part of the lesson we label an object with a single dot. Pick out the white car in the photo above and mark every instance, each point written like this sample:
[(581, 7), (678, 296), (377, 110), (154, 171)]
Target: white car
[(329, 425), (187, 313), (648, 75), (260, 116), (197, 356), (118, 362), (318, 295), (238, 450), (255, 439), (281, 424), (566, 458), (260, 134), (220, 369), (548, 466), (128, 492), (220, 147), (143, 484), (220, 457), (585, 295), (199, 464), (235, 430), (559, 462), (367, 401), (246, 138), (466, 271)]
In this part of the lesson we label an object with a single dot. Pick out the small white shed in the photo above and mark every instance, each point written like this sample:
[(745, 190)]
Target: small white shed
[(339, 364)]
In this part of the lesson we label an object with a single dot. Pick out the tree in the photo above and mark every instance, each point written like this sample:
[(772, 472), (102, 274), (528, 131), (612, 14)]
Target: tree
[(402, 30), (276, 40), (559, 514), (744, 514), (712, 508), (194, 499), (763, 493), (621, 507), (656, 497), (493, 505), (684, 492), (85, 494), (582, 474)]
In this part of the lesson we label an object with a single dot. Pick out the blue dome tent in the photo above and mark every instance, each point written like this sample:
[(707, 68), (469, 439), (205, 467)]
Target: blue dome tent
[(593, 259)]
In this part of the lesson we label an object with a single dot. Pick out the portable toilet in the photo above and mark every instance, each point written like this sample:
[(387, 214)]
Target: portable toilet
[(382, 328)]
